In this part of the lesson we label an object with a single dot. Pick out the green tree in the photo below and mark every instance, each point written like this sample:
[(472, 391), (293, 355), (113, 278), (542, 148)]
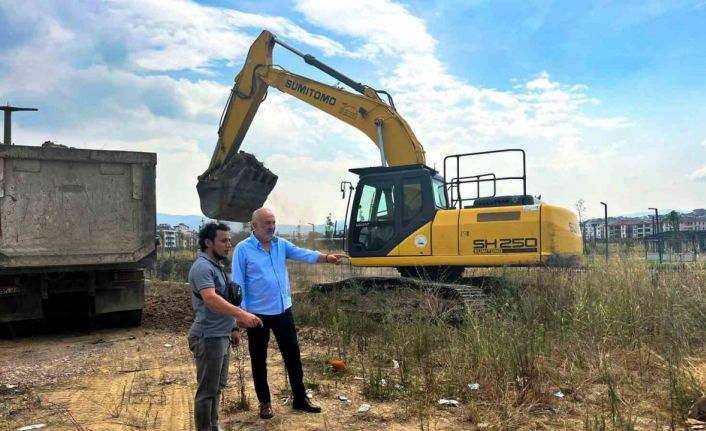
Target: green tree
[(674, 219), (580, 206), (581, 210), (329, 226)]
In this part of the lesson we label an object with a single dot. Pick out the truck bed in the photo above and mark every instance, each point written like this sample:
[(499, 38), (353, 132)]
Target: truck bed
[(66, 207)]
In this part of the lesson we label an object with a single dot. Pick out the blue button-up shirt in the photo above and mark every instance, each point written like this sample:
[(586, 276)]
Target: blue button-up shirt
[(263, 276)]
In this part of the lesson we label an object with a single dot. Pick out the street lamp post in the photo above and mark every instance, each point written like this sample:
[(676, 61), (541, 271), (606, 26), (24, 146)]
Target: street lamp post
[(8, 120), (343, 196), (657, 231), (313, 240), (605, 210), (652, 219)]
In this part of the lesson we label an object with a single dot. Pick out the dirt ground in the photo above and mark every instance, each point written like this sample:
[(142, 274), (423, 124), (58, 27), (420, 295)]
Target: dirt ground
[(144, 378)]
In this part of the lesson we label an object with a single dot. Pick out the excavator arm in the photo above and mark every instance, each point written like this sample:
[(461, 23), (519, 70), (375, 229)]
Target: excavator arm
[(236, 183)]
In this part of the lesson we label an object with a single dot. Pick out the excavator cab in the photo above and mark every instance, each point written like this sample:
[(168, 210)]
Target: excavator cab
[(390, 204)]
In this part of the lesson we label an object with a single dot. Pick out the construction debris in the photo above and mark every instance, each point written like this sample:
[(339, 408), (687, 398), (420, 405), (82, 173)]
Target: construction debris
[(450, 403), (698, 410), (32, 427)]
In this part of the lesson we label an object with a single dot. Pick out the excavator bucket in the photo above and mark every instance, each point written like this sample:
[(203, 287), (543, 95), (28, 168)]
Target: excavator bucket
[(236, 189)]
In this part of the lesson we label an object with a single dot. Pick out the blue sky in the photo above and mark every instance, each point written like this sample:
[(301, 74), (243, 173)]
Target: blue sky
[(607, 98)]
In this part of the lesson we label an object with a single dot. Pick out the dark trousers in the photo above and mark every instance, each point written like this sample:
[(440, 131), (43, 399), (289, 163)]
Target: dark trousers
[(282, 325), (211, 356)]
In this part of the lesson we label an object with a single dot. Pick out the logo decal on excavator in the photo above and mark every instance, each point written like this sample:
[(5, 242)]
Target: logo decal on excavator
[(420, 241), (505, 245), (348, 110), (311, 92)]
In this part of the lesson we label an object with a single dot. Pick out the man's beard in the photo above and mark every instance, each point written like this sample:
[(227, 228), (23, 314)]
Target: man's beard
[(218, 256)]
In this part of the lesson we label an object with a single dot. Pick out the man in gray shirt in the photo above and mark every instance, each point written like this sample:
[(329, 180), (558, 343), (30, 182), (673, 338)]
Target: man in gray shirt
[(213, 329)]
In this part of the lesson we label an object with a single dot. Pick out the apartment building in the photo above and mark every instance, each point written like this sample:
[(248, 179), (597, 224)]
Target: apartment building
[(177, 237), (623, 228)]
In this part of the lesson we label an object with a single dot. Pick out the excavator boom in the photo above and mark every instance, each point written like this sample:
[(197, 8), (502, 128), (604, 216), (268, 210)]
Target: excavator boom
[(236, 183)]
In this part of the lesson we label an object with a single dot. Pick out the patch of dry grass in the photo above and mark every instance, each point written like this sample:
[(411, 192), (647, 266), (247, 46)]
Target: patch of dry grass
[(612, 348), (607, 348)]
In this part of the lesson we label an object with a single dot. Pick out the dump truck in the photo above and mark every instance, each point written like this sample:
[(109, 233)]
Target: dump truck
[(77, 230)]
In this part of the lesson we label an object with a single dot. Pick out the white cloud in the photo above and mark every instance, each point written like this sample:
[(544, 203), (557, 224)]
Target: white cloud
[(111, 83), (451, 115), (541, 82), (152, 35), (182, 35), (93, 100), (384, 27), (698, 175)]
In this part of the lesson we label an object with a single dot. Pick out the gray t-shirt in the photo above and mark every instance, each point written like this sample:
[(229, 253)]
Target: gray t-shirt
[(205, 273)]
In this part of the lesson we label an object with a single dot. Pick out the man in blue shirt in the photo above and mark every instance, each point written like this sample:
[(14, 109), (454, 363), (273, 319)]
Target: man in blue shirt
[(213, 329), (259, 266)]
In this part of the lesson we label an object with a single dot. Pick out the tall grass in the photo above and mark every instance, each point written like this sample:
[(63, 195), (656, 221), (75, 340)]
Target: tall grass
[(172, 265), (615, 337)]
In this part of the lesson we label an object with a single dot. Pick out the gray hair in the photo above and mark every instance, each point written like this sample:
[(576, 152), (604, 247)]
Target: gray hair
[(257, 212)]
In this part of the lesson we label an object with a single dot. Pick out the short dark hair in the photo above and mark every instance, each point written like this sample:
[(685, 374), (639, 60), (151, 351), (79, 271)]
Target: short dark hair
[(208, 231)]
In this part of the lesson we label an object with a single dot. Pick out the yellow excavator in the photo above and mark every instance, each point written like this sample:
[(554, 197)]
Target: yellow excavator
[(404, 213)]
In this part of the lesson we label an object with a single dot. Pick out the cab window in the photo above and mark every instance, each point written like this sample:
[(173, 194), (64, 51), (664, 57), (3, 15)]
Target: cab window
[(439, 194), (375, 222), (411, 199)]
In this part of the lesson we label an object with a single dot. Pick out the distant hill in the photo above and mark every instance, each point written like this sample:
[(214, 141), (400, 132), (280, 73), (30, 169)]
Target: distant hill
[(650, 213), (639, 214), (194, 221)]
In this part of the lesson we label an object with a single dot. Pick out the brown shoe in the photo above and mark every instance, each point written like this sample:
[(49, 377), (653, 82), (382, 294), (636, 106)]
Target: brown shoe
[(306, 406), (266, 411)]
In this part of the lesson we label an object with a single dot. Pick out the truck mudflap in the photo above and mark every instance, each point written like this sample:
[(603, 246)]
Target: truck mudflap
[(236, 189)]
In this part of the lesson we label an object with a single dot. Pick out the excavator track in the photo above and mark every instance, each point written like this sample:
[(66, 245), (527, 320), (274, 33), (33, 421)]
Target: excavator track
[(402, 296)]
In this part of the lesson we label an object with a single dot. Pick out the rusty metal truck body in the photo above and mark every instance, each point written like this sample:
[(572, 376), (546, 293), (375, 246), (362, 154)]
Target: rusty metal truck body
[(77, 229)]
